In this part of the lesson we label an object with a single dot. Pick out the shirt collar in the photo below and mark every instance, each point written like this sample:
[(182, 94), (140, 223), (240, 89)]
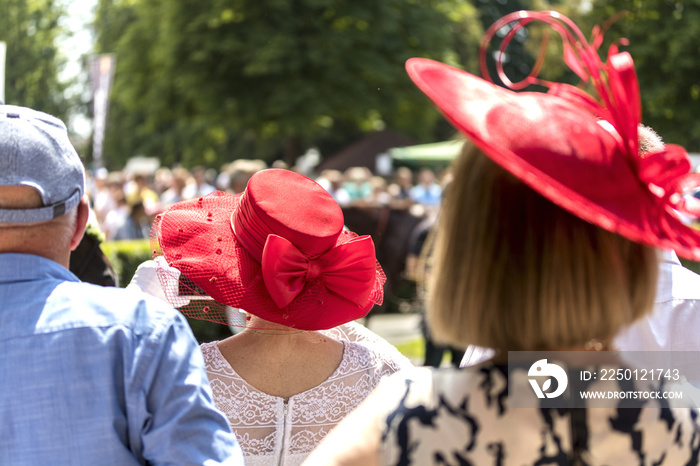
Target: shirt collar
[(668, 255), (15, 267)]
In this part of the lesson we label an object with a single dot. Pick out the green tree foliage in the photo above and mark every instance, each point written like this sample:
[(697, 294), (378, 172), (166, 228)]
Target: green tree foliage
[(30, 29), (205, 81), (664, 40)]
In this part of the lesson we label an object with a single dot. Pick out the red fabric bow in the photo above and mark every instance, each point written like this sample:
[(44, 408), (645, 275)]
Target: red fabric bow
[(347, 270), (669, 177)]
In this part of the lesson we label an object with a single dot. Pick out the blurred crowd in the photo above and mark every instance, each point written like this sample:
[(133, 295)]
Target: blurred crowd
[(125, 203)]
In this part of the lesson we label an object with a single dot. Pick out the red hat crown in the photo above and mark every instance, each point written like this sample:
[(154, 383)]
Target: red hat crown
[(286, 204)]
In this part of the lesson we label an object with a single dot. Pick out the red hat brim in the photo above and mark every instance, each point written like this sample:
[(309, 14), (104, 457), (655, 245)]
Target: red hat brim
[(560, 150), (196, 238)]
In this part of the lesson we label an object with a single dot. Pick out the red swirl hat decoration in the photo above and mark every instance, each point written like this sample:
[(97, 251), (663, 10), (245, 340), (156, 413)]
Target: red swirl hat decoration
[(278, 251), (579, 151)]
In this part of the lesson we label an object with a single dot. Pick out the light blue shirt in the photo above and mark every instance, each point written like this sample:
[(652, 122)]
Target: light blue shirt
[(99, 376), (431, 195)]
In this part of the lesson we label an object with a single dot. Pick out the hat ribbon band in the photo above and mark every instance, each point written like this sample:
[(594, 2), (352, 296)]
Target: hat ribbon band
[(248, 229), (348, 270)]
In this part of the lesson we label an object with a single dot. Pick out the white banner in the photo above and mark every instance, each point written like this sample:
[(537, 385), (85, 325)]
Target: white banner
[(101, 76), (3, 51)]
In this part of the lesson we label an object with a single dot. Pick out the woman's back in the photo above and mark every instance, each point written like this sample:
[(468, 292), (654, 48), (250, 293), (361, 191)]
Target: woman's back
[(283, 430), (461, 416)]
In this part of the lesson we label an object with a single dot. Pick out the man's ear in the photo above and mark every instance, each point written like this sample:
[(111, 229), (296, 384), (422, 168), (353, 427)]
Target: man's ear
[(80, 223)]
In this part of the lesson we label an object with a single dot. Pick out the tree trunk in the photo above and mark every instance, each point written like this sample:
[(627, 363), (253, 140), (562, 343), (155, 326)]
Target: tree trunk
[(292, 150)]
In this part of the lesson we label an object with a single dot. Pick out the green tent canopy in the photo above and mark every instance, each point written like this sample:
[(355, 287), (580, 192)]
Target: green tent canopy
[(434, 154)]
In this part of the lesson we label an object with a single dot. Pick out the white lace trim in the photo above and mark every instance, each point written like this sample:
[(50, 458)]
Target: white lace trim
[(258, 419)]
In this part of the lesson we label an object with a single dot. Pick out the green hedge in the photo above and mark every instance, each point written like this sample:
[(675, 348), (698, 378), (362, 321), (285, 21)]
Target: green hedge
[(126, 256), (692, 265)]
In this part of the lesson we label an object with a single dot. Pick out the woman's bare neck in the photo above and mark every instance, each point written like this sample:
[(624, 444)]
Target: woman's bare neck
[(279, 360)]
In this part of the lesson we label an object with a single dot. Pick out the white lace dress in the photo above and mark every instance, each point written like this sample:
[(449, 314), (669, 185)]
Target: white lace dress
[(272, 432)]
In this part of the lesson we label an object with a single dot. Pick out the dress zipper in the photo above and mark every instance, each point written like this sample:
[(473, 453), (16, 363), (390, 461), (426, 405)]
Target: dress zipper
[(284, 433)]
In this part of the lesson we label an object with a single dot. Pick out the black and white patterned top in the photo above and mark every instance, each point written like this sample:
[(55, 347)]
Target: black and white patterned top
[(461, 417)]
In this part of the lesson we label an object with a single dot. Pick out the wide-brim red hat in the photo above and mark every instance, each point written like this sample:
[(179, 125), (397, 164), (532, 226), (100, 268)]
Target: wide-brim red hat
[(278, 251), (577, 151)]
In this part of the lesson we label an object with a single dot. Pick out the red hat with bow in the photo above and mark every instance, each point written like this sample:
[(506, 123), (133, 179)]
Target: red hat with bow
[(578, 150), (278, 251)]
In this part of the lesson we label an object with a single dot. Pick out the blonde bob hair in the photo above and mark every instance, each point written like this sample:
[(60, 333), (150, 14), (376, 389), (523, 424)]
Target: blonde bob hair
[(513, 271)]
